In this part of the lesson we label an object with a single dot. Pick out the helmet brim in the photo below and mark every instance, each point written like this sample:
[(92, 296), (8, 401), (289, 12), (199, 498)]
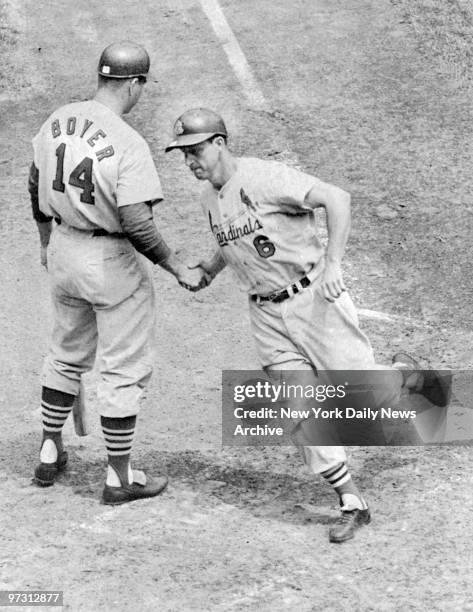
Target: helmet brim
[(187, 140), (150, 77)]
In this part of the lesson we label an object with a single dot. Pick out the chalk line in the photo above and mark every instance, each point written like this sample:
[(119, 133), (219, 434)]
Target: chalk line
[(235, 55)]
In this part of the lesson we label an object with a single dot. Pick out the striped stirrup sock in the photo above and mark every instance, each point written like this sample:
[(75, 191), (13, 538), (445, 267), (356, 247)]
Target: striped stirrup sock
[(337, 476), (118, 441), (54, 417), (340, 479), (118, 434)]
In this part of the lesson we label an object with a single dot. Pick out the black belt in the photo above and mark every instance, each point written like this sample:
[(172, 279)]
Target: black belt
[(96, 232), (280, 296), (102, 232)]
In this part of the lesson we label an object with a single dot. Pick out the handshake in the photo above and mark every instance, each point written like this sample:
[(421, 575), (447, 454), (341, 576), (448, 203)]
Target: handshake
[(193, 277), (196, 276)]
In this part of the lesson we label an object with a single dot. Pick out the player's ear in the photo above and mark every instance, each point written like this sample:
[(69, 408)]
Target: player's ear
[(131, 85)]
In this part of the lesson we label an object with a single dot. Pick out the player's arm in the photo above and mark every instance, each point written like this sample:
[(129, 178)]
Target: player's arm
[(337, 205), (213, 265), (138, 225), (43, 222)]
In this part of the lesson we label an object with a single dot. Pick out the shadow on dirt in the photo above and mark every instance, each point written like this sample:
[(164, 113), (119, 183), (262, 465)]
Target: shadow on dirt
[(281, 496), (286, 497)]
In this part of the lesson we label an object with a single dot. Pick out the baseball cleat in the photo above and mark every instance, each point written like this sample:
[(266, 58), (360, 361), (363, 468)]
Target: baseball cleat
[(350, 520), (45, 474), (113, 496), (434, 386)]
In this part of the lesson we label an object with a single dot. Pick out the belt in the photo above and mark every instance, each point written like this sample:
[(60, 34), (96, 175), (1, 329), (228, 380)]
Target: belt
[(102, 232), (96, 232), (283, 294)]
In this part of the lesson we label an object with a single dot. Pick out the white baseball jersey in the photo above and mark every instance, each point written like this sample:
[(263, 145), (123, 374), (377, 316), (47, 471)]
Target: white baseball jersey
[(91, 162), (264, 230)]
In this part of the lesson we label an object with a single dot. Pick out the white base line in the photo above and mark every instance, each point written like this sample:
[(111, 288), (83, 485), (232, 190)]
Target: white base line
[(375, 314), (235, 55), (255, 96), (383, 316)]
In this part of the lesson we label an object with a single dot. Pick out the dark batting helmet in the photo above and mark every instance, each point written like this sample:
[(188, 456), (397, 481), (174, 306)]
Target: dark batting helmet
[(196, 125), (124, 60)]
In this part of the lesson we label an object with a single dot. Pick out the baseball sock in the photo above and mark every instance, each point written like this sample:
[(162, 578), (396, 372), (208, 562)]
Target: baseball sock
[(341, 481), (118, 434), (55, 408)]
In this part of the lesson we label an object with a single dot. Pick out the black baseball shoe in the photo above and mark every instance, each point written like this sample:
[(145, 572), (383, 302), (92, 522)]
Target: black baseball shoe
[(114, 496), (436, 387), (350, 520), (45, 474)]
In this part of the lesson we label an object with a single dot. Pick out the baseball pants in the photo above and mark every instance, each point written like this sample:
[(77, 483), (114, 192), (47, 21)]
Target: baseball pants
[(103, 297)]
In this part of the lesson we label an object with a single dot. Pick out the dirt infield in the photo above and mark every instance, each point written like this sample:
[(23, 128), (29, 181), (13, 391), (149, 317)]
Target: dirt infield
[(372, 96)]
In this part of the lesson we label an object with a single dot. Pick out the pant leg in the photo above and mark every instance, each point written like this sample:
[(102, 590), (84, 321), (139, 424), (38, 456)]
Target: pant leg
[(327, 333), (318, 458), (329, 337), (74, 339), (126, 349), (72, 348)]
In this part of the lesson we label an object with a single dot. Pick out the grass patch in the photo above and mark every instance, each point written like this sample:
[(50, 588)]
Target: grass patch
[(12, 73), (8, 39), (8, 34), (444, 31)]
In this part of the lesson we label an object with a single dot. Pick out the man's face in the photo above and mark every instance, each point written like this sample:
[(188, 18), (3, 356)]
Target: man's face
[(202, 159)]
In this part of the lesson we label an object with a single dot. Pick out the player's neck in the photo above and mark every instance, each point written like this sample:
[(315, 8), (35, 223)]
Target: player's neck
[(111, 101), (224, 171)]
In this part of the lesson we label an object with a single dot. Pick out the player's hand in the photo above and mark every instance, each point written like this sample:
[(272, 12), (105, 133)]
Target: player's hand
[(44, 257), (203, 265), (193, 279), (332, 284)]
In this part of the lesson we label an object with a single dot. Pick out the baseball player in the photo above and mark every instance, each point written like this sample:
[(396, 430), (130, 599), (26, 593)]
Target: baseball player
[(302, 318), (93, 185)]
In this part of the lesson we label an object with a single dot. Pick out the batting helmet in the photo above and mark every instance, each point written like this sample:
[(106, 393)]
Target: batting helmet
[(124, 60), (196, 125)]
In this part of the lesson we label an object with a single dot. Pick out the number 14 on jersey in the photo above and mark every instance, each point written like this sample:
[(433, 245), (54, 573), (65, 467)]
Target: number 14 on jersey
[(80, 177)]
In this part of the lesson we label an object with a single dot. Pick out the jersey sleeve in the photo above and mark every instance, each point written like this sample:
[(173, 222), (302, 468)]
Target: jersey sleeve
[(288, 187), (36, 142), (35, 153), (138, 179), (33, 188)]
